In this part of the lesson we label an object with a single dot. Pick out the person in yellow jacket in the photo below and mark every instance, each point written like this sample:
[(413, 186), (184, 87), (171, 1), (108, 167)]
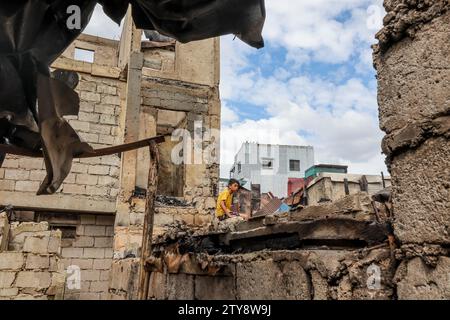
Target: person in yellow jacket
[(225, 201)]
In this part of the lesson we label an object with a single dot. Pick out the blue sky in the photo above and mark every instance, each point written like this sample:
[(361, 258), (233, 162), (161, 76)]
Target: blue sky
[(313, 83)]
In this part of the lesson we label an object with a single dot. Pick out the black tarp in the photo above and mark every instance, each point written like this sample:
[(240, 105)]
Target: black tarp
[(34, 33)]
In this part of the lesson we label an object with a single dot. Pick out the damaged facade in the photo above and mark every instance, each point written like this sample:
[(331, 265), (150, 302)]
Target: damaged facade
[(351, 247), (132, 90)]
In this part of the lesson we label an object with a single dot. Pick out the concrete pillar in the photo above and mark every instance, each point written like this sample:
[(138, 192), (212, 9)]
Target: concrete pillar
[(413, 64)]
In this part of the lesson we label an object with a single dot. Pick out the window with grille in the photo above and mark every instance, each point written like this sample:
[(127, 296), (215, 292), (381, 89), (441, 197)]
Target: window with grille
[(294, 165)]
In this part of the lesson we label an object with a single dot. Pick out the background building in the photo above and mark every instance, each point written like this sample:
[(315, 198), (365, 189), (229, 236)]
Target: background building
[(271, 166)]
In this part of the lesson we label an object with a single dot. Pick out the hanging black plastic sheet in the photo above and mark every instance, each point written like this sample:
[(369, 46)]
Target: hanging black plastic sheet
[(34, 33)]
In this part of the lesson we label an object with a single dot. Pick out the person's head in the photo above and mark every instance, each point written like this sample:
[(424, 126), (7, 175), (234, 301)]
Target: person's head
[(233, 185)]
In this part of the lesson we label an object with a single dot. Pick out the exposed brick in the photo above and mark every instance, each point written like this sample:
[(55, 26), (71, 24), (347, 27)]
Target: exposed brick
[(101, 88), (105, 220), (2, 173), (87, 86), (27, 186), (31, 163), (90, 117), (104, 242), (36, 244), (108, 119), (11, 260), (109, 231), (83, 242), (109, 253), (37, 262), (99, 286), (87, 179), (7, 185), (72, 252), (105, 109), (9, 292), (74, 189), (99, 170), (80, 125), (32, 279), (100, 128), (105, 275), (89, 137), (79, 168), (106, 139), (99, 191), (90, 275), (108, 181), (114, 100), (6, 279), (98, 253), (11, 163), (102, 264), (14, 174), (83, 264), (94, 230), (38, 175), (90, 96)]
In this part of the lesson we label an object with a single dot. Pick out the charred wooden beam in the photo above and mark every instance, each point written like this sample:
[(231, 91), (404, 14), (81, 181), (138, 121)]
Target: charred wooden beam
[(152, 186)]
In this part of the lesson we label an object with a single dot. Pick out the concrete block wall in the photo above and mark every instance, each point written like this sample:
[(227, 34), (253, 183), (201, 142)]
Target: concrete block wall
[(31, 268), (97, 124), (412, 60), (91, 251)]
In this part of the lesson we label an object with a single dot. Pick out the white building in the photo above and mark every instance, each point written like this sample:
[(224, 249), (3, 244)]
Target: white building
[(271, 166)]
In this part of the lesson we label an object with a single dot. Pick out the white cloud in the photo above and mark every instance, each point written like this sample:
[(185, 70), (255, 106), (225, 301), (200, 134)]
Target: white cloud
[(339, 118)]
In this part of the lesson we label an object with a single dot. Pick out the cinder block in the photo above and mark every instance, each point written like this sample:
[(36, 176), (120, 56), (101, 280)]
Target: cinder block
[(7, 185), (94, 253), (10, 163), (108, 119), (35, 261), (98, 170), (9, 292), (100, 128), (102, 264), (26, 186), (36, 244), (79, 168), (90, 275), (83, 242), (31, 163), (72, 252), (15, 174), (11, 260), (32, 279), (90, 96), (6, 279), (87, 179), (83, 264), (37, 175), (111, 99), (105, 220), (74, 189), (87, 219), (99, 286), (94, 231), (105, 275), (98, 191)]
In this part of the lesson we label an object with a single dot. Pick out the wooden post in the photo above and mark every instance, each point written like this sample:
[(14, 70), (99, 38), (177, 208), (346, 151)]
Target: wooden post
[(144, 275), (347, 189)]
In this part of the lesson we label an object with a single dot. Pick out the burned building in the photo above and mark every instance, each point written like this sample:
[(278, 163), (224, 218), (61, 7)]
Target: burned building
[(355, 247), (129, 90)]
